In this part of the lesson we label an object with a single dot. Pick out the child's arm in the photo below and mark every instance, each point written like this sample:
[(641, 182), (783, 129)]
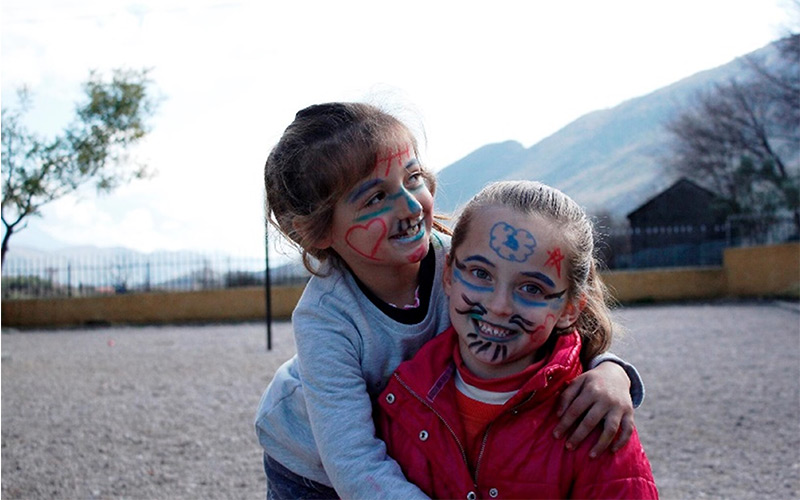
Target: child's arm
[(607, 394), (340, 411)]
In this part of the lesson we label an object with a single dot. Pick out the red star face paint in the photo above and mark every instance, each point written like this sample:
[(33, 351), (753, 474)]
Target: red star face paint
[(506, 297)]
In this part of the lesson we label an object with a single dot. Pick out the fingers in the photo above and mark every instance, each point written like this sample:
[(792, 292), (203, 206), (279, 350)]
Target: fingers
[(568, 410), (586, 426), (610, 428), (625, 432)]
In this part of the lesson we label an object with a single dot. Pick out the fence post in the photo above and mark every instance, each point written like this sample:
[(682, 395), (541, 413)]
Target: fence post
[(267, 288)]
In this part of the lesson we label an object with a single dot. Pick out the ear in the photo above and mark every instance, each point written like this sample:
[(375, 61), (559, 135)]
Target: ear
[(570, 314), (447, 276), (320, 244), (324, 243)]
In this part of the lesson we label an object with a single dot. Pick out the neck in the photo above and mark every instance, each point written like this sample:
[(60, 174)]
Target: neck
[(393, 285)]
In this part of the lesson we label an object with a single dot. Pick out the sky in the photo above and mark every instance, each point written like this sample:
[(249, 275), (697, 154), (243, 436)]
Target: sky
[(230, 75)]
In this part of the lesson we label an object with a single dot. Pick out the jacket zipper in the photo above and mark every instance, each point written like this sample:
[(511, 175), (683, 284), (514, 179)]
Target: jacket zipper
[(486, 434), (431, 408)]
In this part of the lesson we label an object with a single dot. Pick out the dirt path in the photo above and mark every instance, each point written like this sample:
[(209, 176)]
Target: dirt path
[(167, 412)]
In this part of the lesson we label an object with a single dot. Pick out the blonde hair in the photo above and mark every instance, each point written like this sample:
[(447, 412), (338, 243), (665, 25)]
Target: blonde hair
[(594, 322), (321, 155)]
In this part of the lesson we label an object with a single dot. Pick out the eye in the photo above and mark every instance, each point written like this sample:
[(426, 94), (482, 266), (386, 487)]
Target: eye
[(480, 273), (531, 289), (375, 199)]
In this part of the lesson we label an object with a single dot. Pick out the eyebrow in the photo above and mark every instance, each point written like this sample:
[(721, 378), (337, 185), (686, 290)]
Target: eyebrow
[(363, 188), (542, 277), (479, 258), (412, 162)]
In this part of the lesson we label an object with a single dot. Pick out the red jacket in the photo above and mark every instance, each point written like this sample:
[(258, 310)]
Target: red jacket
[(418, 420)]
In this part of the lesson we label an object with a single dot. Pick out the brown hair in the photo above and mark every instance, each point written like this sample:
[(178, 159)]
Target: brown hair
[(534, 198), (321, 155)]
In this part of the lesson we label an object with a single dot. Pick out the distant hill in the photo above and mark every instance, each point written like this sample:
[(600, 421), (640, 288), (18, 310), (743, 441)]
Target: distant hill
[(609, 160)]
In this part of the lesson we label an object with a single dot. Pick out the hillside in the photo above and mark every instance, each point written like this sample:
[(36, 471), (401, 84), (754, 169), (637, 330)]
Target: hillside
[(609, 160)]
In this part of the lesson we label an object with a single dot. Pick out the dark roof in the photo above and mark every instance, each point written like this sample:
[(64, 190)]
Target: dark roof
[(681, 184)]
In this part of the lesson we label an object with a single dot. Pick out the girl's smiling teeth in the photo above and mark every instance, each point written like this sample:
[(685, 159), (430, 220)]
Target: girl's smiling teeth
[(412, 231), (494, 332)]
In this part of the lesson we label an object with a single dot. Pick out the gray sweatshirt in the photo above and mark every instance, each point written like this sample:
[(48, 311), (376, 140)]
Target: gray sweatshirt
[(315, 418)]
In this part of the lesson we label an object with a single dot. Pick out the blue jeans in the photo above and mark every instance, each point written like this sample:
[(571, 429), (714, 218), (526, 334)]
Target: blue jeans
[(283, 484)]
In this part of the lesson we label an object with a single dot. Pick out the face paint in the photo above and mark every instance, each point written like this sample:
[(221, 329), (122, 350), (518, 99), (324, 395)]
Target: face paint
[(511, 243), (373, 214), (505, 300), (475, 310), (388, 160), (458, 274), (386, 218), (363, 188), (555, 258), (366, 239), (411, 202)]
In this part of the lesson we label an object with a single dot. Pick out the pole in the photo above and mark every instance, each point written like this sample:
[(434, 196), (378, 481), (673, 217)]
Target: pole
[(267, 286)]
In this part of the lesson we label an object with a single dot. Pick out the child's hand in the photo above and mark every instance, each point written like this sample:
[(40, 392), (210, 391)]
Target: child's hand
[(602, 395)]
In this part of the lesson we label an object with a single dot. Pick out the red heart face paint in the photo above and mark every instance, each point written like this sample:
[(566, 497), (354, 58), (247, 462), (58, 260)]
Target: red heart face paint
[(386, 218), (366, 237)]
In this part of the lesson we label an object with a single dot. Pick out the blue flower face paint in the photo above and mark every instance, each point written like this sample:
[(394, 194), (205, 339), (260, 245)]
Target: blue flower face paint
[(505, 299), (511, 243)]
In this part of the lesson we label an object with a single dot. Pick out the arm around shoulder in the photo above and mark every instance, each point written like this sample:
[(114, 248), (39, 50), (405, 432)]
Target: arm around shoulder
[(637, 384)]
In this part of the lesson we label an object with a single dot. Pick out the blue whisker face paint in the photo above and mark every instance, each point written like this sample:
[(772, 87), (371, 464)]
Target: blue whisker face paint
[(475, 288), (372, 215), (528, 303), (363, 189)]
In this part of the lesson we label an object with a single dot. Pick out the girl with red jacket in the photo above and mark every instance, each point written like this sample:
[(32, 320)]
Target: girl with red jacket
[(473, 413)]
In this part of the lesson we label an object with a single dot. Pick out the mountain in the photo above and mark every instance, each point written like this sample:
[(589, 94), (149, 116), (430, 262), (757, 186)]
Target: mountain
[(609, 160)]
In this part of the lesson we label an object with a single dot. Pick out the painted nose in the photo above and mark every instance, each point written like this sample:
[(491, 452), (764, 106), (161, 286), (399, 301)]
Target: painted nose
[(500, 303), (408, 205)]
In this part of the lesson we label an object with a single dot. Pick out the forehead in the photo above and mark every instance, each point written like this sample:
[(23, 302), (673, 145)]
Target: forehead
[(506, 235), (487, 222)]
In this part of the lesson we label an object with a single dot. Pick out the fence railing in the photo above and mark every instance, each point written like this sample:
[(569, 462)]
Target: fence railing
[(75, 276), (690, 244), (620, 248)]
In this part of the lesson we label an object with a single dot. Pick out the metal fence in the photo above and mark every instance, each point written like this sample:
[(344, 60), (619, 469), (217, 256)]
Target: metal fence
[(690, 245), (118, 273)]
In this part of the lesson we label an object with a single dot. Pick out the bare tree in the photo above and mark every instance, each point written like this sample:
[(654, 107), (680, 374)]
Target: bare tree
[(94, 148), (742, 138)]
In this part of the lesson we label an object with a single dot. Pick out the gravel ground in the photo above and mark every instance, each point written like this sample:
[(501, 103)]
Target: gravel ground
[(167, 412)]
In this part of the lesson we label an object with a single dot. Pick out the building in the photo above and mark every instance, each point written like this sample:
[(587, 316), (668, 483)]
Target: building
[(684, 225)]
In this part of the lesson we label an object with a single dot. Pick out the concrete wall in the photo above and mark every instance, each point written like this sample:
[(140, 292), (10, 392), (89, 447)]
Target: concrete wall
[(763, 270), (746, 272), (239, 304), (666, 284)]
